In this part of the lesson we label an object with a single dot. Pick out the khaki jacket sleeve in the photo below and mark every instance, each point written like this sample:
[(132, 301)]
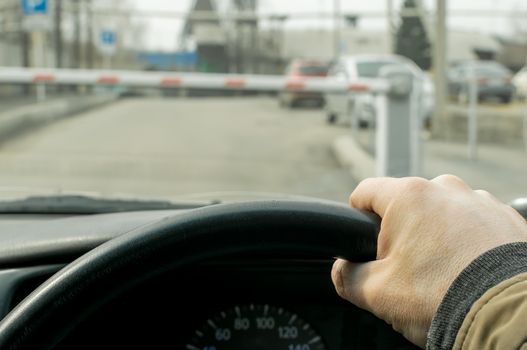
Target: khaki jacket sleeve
[(498, 320)]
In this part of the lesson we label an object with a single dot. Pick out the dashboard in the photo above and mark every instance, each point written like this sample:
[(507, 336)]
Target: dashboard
[(240, 303)]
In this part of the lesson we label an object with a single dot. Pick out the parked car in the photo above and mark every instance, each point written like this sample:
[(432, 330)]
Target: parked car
[(303, 68), (493, 80), (362, 106), (520, 83)]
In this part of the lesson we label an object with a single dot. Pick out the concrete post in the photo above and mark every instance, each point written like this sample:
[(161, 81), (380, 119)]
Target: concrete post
[(394, 136)]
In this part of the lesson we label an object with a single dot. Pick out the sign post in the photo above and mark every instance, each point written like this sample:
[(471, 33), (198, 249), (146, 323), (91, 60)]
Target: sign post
[(37, 21), (108, 42)]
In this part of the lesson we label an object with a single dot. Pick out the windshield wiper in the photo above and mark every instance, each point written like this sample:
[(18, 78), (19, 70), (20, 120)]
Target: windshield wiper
[(81, 204)]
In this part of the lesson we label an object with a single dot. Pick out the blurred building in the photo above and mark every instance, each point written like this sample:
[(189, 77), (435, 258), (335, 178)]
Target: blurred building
[(206, 37), (231, 39)]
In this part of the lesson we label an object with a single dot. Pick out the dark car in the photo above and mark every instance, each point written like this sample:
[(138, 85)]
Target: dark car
[(493, 81), (299, 69)]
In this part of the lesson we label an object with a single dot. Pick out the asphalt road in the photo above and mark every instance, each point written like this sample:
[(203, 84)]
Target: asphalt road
[(180, 148)]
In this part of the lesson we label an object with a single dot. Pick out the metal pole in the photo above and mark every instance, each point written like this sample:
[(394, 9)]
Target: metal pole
[(24, 48), (416, 126), (389, 29), (58, 33), (89, 36), (440, 67), (107, 62), (338, 17), (77, 36), (39, 52), (472, 116), (525, 125)]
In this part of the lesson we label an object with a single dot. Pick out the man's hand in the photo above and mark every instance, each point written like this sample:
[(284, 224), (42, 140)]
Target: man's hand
[(430, 231)]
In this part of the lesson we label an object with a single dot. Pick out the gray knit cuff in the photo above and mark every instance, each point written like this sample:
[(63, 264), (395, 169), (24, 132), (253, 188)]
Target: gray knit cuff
[(486, 271)]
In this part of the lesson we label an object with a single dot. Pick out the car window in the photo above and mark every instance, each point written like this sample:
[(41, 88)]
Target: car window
[(371, 69)]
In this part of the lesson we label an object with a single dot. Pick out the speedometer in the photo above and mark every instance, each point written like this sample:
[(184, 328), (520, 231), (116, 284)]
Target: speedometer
[(255, 327)]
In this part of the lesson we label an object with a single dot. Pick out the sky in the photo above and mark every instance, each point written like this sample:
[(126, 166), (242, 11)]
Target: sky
[(162, 33)]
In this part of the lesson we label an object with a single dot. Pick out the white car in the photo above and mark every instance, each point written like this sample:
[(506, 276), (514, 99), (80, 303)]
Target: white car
[(361, 106), (520, 83)]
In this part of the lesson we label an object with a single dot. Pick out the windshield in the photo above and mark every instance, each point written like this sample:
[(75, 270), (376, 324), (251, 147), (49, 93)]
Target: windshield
[(195, 100)]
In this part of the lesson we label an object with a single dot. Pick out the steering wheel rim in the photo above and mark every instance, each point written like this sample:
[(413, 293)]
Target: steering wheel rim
[(283, 228)]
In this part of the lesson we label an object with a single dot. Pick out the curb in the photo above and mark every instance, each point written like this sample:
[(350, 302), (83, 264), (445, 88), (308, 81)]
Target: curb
[(22, 119), (352, 156)]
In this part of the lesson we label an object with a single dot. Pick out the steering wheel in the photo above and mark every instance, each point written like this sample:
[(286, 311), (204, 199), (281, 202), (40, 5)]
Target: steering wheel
[(270, 228)]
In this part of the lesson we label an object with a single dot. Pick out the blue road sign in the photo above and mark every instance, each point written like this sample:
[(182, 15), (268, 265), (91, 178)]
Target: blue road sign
[(108, 38), (35, 7)]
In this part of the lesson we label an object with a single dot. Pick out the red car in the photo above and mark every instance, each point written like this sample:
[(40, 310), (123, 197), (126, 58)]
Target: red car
[(303, 68)]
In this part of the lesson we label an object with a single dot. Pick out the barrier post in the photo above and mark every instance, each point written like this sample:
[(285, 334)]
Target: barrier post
[(394, 146)]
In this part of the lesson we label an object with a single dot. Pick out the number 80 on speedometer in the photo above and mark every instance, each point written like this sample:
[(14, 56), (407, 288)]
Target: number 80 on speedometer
[(255, 327)]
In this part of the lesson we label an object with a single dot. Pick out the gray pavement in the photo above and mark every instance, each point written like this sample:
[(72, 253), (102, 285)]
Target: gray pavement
[(173, 148), (500, 170)]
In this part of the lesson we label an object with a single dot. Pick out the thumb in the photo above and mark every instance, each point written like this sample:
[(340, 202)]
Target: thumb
[(359, 283)]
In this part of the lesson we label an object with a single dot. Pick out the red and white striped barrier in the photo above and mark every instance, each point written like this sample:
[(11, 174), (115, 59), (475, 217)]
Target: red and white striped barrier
[(186, 80)]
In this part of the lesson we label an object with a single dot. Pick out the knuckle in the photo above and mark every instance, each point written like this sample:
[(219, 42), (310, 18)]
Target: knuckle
[(484, 193), (416, 185), (454, 181), (449, 178)]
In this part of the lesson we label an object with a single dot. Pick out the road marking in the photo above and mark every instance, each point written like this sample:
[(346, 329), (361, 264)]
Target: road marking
[(306, 327), (199, 334), (192, 347), (238, 313), (266, 309), (280, 310), (223, 314)]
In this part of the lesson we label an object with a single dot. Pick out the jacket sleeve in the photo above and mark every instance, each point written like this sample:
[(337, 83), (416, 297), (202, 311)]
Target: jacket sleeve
[(486, 305), (498, 320)]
